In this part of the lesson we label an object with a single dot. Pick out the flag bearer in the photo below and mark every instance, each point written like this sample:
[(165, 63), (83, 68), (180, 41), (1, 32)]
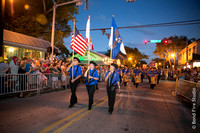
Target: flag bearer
[(91, 82), (74, 79), (112, 78)]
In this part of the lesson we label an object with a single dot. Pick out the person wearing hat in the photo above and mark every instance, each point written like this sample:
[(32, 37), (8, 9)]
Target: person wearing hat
[(14, 65), (112, 78), (75, 74), (137, 74), (92, 77), (153, 77), (3, 69)]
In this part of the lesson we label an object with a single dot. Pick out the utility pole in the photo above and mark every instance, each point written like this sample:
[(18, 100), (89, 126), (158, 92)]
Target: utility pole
[(2, 8), (78, 2)]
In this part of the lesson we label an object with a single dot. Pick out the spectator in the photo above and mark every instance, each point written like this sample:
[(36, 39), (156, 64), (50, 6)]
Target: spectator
[(3, 69), (29, 67), (55, 75), (14, 66)]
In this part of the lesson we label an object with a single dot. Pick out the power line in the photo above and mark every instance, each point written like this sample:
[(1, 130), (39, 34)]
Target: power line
[(177, 23)]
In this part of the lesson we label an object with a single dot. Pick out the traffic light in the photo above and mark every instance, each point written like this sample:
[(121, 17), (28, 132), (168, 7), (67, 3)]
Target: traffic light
[(130, 1), (103, 31), (145, 42), (165, 41), (49, 49)]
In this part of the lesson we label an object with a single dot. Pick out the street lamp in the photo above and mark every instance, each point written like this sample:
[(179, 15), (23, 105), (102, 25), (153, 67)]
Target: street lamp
[(129, 58), (174, 56), (55, 5)]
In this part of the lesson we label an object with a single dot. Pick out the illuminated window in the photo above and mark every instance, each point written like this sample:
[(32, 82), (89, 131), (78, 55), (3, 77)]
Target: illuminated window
[(190, 52), (9, 52)]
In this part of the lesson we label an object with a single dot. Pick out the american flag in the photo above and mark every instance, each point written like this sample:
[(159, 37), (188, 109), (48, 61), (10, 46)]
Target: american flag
[(79, 43)]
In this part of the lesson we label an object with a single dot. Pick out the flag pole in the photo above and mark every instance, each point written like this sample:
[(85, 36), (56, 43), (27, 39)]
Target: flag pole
[(111, 46), (73, 47), (89, 42), (89, 47)]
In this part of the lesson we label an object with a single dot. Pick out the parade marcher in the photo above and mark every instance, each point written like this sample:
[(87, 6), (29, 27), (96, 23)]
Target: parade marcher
[(143, 75), (112, 78), (120, 76), (92, 77), (125, 72), (153, 77), (75, 73), (137, 76), (159, 73)]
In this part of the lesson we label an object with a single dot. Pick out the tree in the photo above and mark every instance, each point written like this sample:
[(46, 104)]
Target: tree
[(34, 18), (133, 53), (175, 44)]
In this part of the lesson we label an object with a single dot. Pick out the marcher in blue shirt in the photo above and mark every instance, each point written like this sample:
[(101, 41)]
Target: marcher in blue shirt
[(158, 72), (112, 78), (137, 74), (91, 82), (125, 72), (152, 73), (119, 72), (75, 73)]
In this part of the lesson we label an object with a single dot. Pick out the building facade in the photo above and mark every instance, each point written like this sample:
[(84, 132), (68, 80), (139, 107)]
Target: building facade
[(190, 56), (20, 45)]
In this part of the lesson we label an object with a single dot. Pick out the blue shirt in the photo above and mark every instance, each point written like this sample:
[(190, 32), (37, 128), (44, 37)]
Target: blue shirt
[(137, 71), (158, 72), (115, 77), (118, 70), (27, 68), (144, 72), (125, 71), (152, 73), (95, 75), (79, 71)]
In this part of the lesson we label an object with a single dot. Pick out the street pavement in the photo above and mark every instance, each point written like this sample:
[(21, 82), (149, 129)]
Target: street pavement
[(137, 110)]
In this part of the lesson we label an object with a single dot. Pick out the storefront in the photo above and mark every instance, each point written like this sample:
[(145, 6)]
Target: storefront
[(20, 45)]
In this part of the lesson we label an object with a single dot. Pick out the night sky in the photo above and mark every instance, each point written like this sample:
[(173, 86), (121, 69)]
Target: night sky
[(141, 12)]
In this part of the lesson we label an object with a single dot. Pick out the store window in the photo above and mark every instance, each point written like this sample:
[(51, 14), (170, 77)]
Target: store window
[(190, 52), (9, 52)]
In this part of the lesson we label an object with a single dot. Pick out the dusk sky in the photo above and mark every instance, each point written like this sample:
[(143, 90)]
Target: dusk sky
[(141, 12)]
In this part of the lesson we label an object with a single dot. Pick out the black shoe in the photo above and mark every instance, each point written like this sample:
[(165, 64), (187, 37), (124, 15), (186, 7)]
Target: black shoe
[(70, 106), (89, 108), (109, 112)]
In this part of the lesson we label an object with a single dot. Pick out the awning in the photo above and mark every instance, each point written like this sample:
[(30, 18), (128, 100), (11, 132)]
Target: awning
[(21, 40)]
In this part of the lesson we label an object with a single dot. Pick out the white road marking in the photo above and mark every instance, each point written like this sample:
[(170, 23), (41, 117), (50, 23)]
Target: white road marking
[(149, 98)]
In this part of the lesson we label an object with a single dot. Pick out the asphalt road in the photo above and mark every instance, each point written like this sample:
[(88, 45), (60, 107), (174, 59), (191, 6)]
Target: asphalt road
[(137, 110)]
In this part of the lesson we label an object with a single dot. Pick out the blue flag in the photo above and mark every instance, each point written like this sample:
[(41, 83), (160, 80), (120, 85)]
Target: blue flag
[(118, 50)]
